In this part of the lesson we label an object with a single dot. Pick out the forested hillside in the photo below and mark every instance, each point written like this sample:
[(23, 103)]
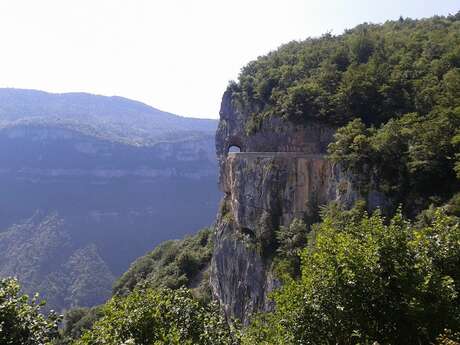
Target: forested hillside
[(173, 264), (372, 72), (42, 253)]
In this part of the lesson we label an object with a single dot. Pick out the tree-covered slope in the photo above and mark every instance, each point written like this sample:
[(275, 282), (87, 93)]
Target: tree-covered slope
[(373, 72), (172, 264), (42, 254)]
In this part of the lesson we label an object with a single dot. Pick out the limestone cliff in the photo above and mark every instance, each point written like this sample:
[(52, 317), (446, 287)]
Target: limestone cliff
[(281, 173)]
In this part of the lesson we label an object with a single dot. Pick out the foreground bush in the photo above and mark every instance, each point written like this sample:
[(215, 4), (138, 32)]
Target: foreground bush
[(21, 320), (365, 280), (159, 317)]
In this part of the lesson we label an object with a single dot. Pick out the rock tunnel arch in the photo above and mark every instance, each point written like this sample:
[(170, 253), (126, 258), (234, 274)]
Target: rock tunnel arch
[(233, 149), (234, 145)]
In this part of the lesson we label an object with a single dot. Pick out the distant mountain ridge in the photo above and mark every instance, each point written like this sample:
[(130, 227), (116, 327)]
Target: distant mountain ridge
[(112, 118)]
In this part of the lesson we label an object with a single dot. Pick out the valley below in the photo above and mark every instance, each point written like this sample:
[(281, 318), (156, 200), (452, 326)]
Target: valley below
[(77, 209)]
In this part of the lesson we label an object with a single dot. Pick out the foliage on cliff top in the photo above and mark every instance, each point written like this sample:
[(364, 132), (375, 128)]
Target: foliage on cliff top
[(372, 72), (414, 159), (366, 279), (172, 264)]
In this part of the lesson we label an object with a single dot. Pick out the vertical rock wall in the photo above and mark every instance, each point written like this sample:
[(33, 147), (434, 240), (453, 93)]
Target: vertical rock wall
[(262, 192), (281, 173)]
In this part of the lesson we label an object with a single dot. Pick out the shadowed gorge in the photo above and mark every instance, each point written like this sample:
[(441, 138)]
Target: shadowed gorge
[(112, 175)]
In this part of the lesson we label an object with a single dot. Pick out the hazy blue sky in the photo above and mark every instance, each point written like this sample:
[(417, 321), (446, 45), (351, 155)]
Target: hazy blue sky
[(176, 55)]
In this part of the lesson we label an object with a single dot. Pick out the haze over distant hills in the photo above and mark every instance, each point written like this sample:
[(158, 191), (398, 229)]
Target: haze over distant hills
[(88, 183), (113, 118)]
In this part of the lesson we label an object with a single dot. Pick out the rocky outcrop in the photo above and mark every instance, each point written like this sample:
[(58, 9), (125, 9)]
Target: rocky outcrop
[(281, 173), (274, 134)]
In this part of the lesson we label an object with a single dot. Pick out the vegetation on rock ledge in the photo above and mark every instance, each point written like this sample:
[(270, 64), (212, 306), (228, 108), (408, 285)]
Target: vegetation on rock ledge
[(173, 264)]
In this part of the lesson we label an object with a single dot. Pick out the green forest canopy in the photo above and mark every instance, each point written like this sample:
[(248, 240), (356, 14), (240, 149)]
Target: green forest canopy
[(372, 72)]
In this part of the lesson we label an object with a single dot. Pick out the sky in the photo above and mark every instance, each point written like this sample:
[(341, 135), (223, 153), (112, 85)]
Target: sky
[(175, 55)]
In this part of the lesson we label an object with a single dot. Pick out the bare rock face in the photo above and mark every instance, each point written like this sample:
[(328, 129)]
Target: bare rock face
[(275, 135), (281, 173)]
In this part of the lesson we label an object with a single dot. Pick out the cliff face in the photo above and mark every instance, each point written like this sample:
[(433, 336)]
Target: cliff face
[(281, 173)]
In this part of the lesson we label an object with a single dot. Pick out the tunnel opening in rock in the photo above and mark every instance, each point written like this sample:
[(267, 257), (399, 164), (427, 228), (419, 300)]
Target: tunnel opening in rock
[(234, 144), (248, 232), (234, 149)]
